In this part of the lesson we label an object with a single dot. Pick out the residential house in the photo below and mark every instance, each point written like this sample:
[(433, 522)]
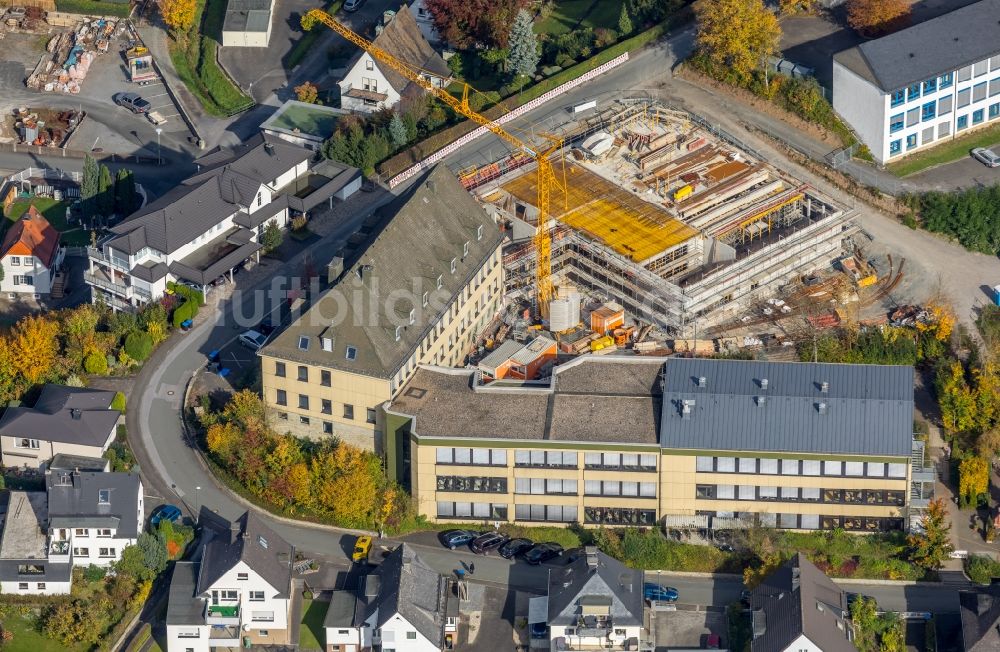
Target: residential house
[(980, 611), (687, 443), (329, 371), (594, 603), (371, 85), (212, 222), (238, 595), (29, 256), (424, 21), (403, 605), (82, 518), (64, 420), (799, 609), (924, 85)]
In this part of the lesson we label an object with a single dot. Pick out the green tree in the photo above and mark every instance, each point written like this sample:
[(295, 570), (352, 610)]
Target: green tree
[(89, 186), (138, 345), (76, 621), (523, 44), (409, 122), (272, 237), (105, 193), (144, 560), (736, 36), (118, 402), (929, 549), (397, 131), (624, 21), (96, 363), (125, 195), (864, 620)]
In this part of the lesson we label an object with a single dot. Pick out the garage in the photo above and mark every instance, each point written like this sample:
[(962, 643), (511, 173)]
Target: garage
[(247, 23)]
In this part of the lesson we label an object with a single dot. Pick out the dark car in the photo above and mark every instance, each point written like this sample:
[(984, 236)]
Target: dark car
[(132, 102), (658, 593), (542, 552), (515, 547), (267, 326), (539, 630), (482, 545), (164, 513), (455, 538)]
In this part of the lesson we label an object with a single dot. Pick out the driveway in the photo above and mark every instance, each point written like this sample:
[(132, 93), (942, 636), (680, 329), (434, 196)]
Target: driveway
[(966, 172)]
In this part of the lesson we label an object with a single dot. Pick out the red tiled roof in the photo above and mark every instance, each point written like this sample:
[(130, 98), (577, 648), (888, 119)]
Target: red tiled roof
[(32, 235)]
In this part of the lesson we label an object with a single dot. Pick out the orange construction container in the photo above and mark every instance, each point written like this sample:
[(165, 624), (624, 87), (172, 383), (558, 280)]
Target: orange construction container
[(607, 318)]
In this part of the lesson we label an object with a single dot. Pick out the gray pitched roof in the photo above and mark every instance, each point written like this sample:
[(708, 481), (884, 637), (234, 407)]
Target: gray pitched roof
[(249, 540), (424, 230), (228, 179), (980, 611), (403, 39), (409, 587), (594, 398), (184, 605), (797, 599), (72, 415), (865, 410), (73, 501), (607, 581), (341, 611), (949, 42)]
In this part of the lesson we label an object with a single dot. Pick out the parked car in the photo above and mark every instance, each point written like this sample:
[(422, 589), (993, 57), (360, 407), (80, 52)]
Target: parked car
[(987, 157), (515, 547), (164, 513), (353, 5), (713, 641), (253, 339), (658, 593), (266, 326), (132, 102), (542, 552), (539, 630), (362, 546), (483, 544), (455, 538)]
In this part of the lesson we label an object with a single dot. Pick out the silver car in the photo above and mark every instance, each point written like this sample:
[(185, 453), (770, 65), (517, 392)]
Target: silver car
[(987, 157), (252, 339)]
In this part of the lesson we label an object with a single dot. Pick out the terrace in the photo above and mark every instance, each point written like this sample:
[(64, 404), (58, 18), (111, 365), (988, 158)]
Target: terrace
[(217, 257)]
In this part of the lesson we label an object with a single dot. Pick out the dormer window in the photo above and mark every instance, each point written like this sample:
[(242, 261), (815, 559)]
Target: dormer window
[(260, 199), (352, 353), (479, 232), (399, 332), (262, 541), (423, 301), (413, 317), (104, 497), (454, 265), (328, 344), (303, 343), (465, 250), (439, 282)]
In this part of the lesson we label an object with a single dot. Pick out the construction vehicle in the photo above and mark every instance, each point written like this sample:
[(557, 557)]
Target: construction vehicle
[(547, 180)]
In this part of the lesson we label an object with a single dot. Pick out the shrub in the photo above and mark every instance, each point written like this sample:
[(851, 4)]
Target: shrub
[(96, 363), (982, 569), (182, 313), (299, 223), (138, 345), (94, 573), (118, 402)]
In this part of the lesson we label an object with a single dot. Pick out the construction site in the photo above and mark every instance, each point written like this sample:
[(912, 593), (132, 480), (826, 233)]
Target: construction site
[(687, 231)]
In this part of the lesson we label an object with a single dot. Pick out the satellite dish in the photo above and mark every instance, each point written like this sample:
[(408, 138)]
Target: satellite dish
[(246, 627)]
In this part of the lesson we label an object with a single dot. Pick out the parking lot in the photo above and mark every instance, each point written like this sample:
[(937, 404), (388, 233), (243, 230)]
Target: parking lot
[(687, 629)]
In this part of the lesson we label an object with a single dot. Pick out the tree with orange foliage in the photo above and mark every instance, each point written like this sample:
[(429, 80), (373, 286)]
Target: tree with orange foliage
[(877, 17), (307, 92), (178, 14), (35, 348)]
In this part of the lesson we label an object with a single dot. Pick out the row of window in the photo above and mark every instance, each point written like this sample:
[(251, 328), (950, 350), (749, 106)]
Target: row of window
[(325, 377), (800, 494), (550, 513), (101, 533), (814, 521), (770, 466), (472, 484), (23, 586), (616, 488), (472, 456), (546, 486), (553, 513), (101, 552), (944, 105), (935, 84), (926, 136), (326, 406), (24, 280), (547, 459), (493, 511), (16, 261), (618, 516)]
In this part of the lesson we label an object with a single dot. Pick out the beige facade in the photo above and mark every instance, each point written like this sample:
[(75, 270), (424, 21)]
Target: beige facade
[(311, 400), (36, 452)]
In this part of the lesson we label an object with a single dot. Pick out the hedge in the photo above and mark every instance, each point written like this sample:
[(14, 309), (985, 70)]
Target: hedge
[(183, 313), (138, 345), (94, 8)]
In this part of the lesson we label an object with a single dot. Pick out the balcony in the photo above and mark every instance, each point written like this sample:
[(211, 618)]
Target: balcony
[(224, 636), (59, 551), (96, 254), (102, 281), (222, 614)]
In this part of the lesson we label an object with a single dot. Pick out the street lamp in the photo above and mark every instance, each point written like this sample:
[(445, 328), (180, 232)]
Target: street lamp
[(197, 497), (158, 132)]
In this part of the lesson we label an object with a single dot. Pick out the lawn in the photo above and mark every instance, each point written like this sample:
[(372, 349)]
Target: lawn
[(571, 14), (311, 632), (948, 152), (55, 212), (94, 7), (313, 121), (27, 637)]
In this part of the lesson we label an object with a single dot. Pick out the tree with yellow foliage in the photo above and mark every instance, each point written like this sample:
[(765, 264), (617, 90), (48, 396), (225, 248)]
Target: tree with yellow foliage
[(736, 36), (955, 398), (753, 576), (877, 17), (307, 92), (222, 440), (35, 345), (178, 14), (973, 479)]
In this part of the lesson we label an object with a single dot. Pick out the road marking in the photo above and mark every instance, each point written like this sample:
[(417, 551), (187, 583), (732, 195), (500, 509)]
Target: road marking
[(157, 95)]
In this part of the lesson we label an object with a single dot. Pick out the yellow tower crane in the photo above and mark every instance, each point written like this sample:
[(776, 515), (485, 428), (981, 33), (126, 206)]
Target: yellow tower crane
[(546, 173)]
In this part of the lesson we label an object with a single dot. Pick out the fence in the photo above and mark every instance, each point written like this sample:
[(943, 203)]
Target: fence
[(507, 117), (58, 152)]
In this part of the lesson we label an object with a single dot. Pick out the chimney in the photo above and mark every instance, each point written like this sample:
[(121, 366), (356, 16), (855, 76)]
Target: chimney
[(269, 148), (821, 408), (702, 381), (824, 387), (763, 383), (686, 406), (591, 553), (761, 400), (75, 414), (430, 185)]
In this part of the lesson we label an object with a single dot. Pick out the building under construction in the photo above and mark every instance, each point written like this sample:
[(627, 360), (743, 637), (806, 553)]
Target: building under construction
[(680, 225)]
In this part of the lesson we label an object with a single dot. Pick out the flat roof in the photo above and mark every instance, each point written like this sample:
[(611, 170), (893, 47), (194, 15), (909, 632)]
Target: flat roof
[(304, 119), (23, 536), (247, 16), (630, 226)]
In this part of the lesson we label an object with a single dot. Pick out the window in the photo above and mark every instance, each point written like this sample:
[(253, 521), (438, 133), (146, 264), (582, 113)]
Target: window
[(929, 111), (81, 552), (769, 466), (370, 415), (979, 92), (369, 84), (748, 465), (424, 298), (453, 265), (15, 261), (348, 411), (854, 468), (303, 402), (40, 586), (930, 86), (995, 87), (911, 141), (913, 92), (994, 110), (944, 105), (439, 282), (303, 343), (833, 468), (876, 470), (255, 596), (283, 416), (945, 81), (326, 343), (27, 443), (352, 353), (281, 397), (896, 123), (897, 470), (399, 332), (262, 617), (369, 64), (479, 232), (260, 199), (411, 636), (22, 586), (963, 98), (303, 373), (704, 463), (103, 496), (242, 576), (977, 116), (327, 428), (105, 552), (981, 68), (789, 467), (81, 532), (913, 116), (811, 467), (542, 459), (725, 464), (279, 369), (898, 98), (326, 406), (325, 378), (304, 420), (965, 74), (104, 533)]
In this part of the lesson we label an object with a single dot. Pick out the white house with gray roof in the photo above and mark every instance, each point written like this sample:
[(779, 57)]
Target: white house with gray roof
[(238, 593), (80, 519), (212, 222), (73, 421), (924, 85)]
